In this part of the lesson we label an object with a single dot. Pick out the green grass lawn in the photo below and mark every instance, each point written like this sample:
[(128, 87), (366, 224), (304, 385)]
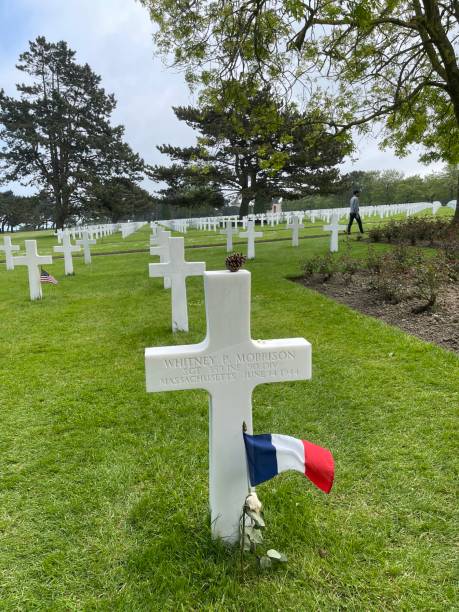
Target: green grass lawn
[(103, 487)]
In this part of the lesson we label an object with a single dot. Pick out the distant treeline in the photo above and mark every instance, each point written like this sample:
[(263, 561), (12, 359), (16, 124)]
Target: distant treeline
[(126, 201), (388, 187)]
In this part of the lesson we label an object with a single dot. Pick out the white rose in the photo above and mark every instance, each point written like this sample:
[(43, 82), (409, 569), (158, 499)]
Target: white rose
[(253, 503)]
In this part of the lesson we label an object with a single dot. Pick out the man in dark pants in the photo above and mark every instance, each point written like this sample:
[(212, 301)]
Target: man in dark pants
[(354, 212)]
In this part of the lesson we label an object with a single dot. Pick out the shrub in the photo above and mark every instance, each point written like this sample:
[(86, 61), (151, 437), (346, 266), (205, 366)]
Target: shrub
[(411, 231), (348, 266), (375, 234), (389, 277), (429, 276), (322, 265), (374, 261), (326, 267), (309, 268)]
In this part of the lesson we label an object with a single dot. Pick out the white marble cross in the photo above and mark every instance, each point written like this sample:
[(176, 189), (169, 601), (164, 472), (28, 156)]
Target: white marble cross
[(334, 228), (33, 261), (85, 242), (229, 231), (229, 365), (67, 248), (295, 226), (154, 238), (251, 234), (177, 269), (9, 249), (162, 250)]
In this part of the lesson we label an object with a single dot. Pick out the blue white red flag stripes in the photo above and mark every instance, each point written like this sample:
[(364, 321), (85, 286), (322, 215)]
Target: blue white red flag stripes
[(45, 277), (271, 454)]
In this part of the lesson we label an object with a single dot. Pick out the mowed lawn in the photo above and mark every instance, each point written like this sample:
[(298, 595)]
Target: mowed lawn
[(103, 487)]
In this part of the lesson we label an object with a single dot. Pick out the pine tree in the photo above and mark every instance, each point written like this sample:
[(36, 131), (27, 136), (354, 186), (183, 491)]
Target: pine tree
[(58, 135), (249, 146)]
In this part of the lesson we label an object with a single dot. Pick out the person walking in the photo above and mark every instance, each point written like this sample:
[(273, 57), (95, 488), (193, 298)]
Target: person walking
[(354, 212)]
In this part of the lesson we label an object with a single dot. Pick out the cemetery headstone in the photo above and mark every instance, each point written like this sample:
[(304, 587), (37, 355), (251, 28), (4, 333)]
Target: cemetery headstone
[(85, 242), (334, 228), (162, 250), (229, 365), (229, 231), (295, 225), (67, 248), (251, 234), (9, 249), (33, 261), (177, 269)]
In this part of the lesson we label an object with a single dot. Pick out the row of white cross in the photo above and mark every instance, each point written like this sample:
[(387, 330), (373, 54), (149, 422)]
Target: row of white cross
[(383, 210), (129, 228), (174, 270), (172, 264), (34, 261), (251, 234), (94, 231)]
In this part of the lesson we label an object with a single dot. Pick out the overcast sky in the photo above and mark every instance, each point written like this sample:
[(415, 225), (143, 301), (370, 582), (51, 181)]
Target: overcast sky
[(115, 38)]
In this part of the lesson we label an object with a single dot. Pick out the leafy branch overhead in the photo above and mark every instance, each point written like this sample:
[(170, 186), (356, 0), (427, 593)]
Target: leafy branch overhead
[(387, 61)]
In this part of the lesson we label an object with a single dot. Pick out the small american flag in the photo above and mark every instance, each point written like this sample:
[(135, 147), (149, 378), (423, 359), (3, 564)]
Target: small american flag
[(45, 277)]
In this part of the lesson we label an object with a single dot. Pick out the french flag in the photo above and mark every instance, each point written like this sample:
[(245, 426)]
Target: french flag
[(271, 454)]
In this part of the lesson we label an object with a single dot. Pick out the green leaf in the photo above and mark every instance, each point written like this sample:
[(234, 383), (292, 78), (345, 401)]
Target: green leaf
[(247, 543), (276, 556), (273, 554), (256, 518), (265, 562), (254, 535)]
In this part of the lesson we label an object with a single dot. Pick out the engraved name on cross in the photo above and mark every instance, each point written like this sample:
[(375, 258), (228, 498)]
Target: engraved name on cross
[(229, 365), (177, 269)]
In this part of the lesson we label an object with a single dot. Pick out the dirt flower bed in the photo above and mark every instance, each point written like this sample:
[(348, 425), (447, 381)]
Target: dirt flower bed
[(417, 293), (440, 326)]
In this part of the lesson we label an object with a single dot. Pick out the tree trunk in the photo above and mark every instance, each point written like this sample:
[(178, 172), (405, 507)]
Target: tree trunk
[(246, 194), (62, 210), (244, 209)]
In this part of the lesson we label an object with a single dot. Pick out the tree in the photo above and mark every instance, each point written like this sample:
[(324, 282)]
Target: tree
[(394, 60), (251, 147), (8, 201), (57, 135), (119, 199), (187, 190), (29, 211), (386, 187)]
